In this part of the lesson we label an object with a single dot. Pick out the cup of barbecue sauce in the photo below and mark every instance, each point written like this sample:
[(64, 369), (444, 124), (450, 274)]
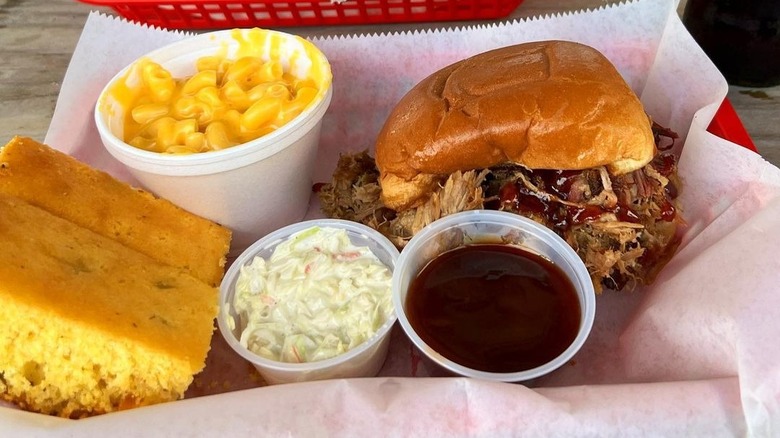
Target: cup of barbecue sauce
[(493, 295)]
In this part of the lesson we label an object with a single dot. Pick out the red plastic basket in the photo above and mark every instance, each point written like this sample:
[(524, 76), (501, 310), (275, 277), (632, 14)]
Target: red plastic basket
[(727, 125), (216, 14)]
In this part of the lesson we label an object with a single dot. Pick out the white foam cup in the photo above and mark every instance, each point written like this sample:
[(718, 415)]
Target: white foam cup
[(252, 188)]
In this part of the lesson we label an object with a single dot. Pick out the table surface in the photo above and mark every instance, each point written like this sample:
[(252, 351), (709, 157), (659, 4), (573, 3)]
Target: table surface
[(37, 39)]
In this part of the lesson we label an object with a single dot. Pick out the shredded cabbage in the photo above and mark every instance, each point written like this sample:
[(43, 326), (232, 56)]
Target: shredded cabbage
[(316, 297)]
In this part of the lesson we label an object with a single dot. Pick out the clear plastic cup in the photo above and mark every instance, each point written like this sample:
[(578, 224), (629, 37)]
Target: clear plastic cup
[(487, 226), (365, 360), (252, 188)]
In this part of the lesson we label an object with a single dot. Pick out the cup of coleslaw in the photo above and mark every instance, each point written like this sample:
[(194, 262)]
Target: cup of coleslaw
[(311, 301), (253, 187)]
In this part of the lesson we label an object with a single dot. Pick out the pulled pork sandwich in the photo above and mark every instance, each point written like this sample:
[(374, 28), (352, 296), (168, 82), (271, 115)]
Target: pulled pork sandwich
[(548, 130)]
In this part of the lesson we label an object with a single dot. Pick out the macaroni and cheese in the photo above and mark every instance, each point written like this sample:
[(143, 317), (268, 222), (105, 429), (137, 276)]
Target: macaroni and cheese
[(248, 87), (227, 102)]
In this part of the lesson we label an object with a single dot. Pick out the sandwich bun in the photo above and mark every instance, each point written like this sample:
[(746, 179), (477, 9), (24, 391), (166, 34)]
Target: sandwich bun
[(543, 105)]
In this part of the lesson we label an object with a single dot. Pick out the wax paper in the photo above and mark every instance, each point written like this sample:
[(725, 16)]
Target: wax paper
[(695, 354)]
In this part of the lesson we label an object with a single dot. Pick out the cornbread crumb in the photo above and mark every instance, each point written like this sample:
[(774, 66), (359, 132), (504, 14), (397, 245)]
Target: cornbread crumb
[(95, 200), (89, 326)]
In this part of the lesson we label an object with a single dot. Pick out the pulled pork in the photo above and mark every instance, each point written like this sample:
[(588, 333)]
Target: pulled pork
[(624, 227), (354, 194)]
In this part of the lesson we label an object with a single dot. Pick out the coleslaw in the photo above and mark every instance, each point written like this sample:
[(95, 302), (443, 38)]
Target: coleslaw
[(316, 297)]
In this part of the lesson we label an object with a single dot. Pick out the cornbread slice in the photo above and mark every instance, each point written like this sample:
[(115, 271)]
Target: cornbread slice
[(88, 325), (95, 200)]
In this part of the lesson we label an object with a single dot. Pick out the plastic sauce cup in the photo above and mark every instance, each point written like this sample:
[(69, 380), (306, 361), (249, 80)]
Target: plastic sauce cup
[(487, 226), (365, 360)]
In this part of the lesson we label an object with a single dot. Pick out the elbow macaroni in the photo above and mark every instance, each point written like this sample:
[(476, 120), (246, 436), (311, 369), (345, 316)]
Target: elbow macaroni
[(224, 104)]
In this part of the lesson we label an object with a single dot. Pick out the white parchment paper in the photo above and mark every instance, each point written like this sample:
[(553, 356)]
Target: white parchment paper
[(696, 354)]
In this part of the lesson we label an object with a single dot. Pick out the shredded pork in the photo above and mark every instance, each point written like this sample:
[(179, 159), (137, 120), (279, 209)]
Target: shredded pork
[(623, 227)]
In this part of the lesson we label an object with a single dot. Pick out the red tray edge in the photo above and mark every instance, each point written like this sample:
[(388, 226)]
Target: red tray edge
[(727, 125)]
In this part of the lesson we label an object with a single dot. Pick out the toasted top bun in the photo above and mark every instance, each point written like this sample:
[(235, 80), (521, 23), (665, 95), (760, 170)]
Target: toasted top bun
[(544, 105)]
